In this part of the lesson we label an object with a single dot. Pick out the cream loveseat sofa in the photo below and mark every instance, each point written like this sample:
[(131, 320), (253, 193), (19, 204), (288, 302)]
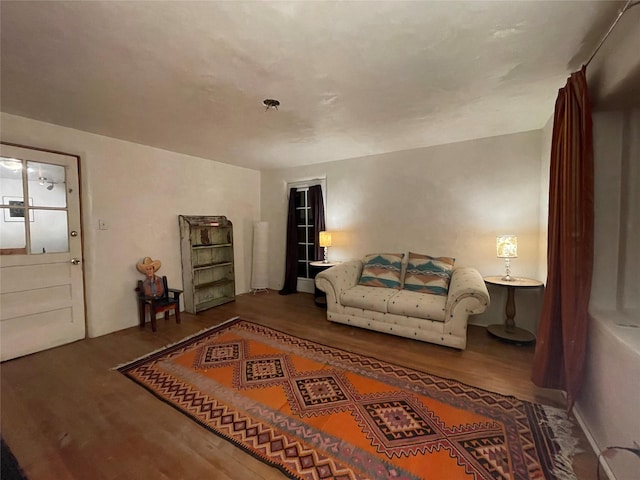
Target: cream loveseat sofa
[(437, 318)]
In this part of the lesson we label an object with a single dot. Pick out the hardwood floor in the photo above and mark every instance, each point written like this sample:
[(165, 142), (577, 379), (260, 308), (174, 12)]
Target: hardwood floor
[(67, 415)]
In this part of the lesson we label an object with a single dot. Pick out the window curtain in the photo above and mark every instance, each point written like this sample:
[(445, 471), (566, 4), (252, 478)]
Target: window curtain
[(561, 344), (291, 254), (317, 213), (316, 205)]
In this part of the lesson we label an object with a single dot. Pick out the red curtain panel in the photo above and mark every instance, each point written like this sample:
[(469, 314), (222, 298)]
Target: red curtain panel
[(561, 344)]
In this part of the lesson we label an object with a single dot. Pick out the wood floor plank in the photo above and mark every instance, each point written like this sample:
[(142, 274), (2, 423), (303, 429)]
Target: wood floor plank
[(66, 414)]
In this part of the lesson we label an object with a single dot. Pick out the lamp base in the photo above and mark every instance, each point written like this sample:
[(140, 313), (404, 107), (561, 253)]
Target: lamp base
[(326, 257), (514, 334), (507, 271)]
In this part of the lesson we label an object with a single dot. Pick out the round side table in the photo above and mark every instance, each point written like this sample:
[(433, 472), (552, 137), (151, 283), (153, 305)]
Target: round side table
[(508, 330), (319, 297)]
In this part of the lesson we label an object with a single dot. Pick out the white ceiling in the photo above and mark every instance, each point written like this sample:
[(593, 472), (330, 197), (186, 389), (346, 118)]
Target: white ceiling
[(353, 78)]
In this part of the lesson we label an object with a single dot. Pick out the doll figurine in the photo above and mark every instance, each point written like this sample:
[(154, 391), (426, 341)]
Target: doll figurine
[(152, 285)]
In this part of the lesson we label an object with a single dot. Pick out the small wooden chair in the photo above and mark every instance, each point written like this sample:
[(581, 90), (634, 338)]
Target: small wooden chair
[(160, 304)]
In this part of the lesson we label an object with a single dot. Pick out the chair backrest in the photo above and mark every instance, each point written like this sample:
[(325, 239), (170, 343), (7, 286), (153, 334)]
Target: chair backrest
[(165, 295)]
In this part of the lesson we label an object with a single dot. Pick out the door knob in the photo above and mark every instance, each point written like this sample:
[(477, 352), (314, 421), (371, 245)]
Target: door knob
[(75, 261), (73, 233)]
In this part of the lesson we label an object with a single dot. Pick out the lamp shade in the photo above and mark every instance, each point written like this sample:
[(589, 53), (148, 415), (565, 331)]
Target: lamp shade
[(325, 239), (507, 246)]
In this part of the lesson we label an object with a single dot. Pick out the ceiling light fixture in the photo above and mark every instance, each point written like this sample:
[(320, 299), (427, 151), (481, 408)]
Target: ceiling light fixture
[(270, 103)]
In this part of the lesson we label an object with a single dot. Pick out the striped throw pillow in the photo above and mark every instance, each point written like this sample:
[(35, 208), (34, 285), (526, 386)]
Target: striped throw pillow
[(428, 274), (382, 270)]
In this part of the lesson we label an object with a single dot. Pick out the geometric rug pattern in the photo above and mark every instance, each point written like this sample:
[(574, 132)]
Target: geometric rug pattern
[(318, 412)]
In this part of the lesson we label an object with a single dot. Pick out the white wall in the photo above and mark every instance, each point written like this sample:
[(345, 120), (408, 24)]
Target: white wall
[(607, 406), (445, 200), (608, 161), (545, 167), (617, 211), (139, 192), (608, 403)]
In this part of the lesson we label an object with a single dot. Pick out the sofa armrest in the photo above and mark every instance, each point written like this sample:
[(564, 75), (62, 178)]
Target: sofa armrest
[(468, 294), (335, 280)]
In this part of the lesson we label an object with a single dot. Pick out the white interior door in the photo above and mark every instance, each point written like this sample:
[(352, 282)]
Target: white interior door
[(41, 272)]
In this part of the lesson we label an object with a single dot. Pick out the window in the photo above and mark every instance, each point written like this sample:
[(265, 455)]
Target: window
[(34, 207), (306, 232)]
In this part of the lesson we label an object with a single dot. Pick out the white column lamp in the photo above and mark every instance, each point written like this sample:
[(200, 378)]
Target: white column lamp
[(325, 242), (507, 248)]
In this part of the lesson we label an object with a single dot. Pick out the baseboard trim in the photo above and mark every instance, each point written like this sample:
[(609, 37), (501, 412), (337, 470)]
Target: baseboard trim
[(601, 460)]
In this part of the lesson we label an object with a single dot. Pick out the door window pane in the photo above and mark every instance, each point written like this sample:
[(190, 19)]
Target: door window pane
[(47, 185), (13, 229), (49, 231), (12, 233), (11, 179)]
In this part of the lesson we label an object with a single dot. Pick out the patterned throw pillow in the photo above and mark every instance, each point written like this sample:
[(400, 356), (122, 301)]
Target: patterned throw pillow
[(428, 274), (382, 270)]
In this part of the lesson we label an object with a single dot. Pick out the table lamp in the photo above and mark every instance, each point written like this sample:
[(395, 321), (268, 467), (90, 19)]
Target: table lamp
[(325, 242), (507, 247)]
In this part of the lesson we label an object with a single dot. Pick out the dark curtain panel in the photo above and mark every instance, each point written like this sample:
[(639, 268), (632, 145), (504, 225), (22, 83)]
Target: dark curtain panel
[(317, 212), (561, 343), (291, 255)]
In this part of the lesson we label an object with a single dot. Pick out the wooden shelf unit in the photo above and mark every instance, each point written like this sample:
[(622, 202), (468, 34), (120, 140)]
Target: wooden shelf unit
[(206, 245)]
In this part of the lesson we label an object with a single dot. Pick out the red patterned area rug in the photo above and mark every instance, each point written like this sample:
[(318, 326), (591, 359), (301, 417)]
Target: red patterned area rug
[(318, 412)]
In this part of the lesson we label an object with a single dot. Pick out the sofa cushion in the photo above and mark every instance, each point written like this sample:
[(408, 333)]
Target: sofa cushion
[(428, 274), (367, 298), (382, 270), (419, 305)]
